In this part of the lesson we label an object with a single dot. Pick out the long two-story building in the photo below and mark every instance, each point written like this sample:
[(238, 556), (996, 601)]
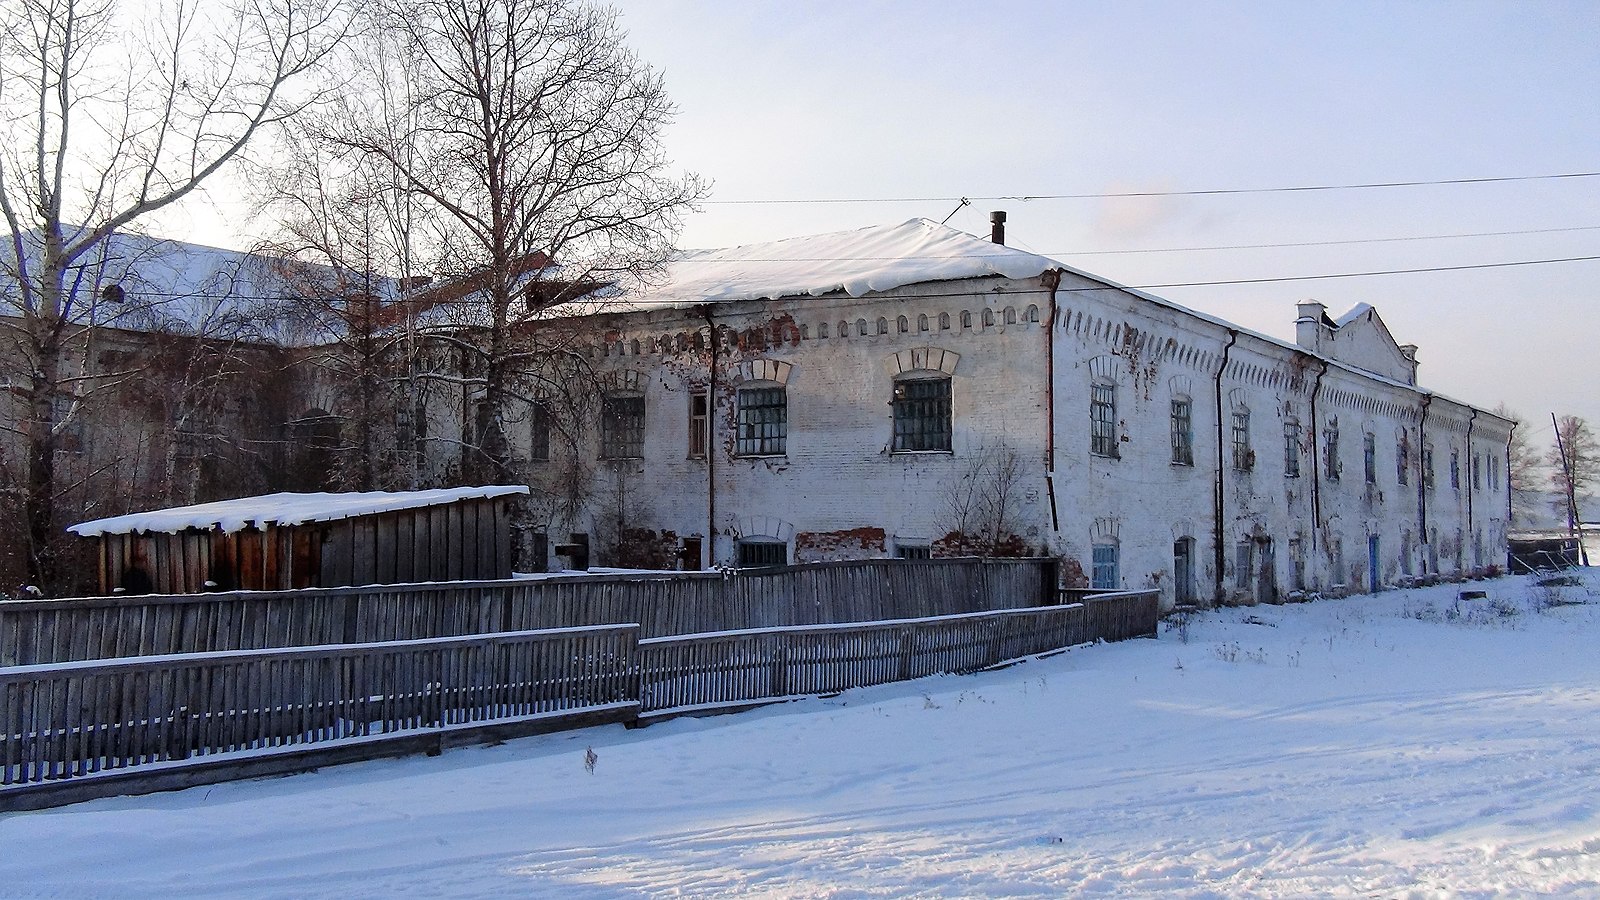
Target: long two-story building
[(913, 390)]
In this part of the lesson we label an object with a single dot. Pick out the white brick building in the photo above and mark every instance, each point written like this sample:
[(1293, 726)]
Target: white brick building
[(883, 391)]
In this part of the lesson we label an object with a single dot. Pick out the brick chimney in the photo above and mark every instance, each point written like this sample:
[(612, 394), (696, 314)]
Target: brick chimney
[(1308, 325)]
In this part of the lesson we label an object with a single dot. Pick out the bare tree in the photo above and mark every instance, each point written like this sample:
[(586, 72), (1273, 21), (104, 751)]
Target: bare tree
[(111, 115), (1575, 466), (981, 505), (531, 147), (1523, 465)]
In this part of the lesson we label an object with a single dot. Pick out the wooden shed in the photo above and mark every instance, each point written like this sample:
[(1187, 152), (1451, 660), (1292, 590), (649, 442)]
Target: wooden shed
[(286, 541)]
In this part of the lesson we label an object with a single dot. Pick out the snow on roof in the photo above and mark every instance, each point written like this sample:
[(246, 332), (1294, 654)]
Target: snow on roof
[(1356, 312), (187, 288), (284, 509), (877, 258)]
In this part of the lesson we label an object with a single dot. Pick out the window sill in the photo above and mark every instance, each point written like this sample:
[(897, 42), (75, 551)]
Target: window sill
[(922, 453), (1104, 455), (1181, 465), (759, 456)]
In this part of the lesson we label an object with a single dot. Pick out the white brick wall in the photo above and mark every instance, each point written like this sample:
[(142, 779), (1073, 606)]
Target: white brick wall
[(838, 491)]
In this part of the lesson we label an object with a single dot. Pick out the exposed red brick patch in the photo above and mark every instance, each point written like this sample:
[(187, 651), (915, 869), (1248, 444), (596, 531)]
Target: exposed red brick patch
[(853, 543)]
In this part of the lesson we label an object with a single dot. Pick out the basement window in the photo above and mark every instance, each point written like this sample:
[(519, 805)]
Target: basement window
[(913, 551), (755, 553)]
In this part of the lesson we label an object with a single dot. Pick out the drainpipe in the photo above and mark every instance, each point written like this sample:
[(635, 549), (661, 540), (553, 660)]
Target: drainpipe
[(1052, 280), (1221, 555), (711, 444), (1509, 440), (1316, 464), (1422, 478), (1472, 485)]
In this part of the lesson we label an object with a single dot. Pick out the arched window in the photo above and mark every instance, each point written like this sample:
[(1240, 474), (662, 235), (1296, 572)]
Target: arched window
[(922, 323), (844, 329), (944, 321), (822, 330), (966, 318), (861, 327), (883, 325), (1011, 315), (1032, 314), (988, 317), (903, 325)]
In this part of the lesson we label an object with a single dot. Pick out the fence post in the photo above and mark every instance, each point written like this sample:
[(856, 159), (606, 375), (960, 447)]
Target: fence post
[(780, 671)]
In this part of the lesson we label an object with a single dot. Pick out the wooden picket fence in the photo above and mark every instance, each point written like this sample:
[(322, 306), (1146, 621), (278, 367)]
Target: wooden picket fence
[(45, 631), (77, 729)]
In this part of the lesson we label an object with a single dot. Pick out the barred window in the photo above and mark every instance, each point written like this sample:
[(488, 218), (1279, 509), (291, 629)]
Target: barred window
[(539, 433), (1182, 431), (1369, 457), (758, 552), (1291, 449), (1330, 452), (1103, 419), (1104, 576), (1402, 461), (913, 551), (763, 421), (1243, 457), (1455, 469), (922, 414), (621, 427)]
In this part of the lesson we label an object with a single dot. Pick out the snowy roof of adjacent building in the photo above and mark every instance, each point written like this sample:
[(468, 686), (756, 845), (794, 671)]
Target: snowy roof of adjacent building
[(186, 288), (877, 258), (284, 509)]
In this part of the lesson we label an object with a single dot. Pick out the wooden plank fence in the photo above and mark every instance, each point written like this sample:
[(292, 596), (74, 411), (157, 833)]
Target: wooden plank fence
[(76, 729), (734, 668), (45, 631), (169, 716)]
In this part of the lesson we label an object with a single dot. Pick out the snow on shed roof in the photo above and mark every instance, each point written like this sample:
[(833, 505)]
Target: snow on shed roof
[(284, 509), (877, 258)]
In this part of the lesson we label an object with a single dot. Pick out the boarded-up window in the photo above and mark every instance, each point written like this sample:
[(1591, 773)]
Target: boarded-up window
[(1104, 575)]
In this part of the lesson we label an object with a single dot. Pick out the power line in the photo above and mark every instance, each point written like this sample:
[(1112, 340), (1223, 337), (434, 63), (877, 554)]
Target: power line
[(1028, 198), (1383, 240), (1499, 265), (1000, 253), (133, 308)]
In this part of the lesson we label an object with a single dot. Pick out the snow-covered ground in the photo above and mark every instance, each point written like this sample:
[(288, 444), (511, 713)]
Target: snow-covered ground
[(1395, 745)]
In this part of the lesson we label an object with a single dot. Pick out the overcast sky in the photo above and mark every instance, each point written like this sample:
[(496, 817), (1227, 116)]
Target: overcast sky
[(788, 100)]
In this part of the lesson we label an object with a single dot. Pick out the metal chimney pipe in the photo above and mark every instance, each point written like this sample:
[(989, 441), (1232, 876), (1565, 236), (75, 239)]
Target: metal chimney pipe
[(997, 227)]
